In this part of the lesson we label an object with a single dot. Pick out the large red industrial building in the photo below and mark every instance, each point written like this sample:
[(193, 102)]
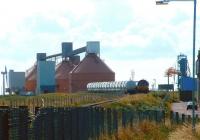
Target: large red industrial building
[(90, 69), (73, 76)]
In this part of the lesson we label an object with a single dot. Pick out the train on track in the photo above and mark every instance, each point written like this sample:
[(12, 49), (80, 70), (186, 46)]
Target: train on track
[(126, 87)]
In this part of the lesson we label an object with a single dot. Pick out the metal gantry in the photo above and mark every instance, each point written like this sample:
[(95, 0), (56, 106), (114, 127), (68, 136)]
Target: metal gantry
[(164, 2)]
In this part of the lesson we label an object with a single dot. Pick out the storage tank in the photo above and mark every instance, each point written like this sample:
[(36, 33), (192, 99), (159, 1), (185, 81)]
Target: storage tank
[(62, 76), (90, 69), (30, 82)]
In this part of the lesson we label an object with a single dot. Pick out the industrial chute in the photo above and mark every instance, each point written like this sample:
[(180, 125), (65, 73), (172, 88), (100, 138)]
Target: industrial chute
[(171, 71)]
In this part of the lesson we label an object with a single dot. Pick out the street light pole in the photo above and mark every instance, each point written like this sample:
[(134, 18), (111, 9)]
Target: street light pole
[(164, 2), (193, 75)]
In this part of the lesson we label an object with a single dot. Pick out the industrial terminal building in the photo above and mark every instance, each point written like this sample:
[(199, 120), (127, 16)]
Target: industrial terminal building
[(71, 74)]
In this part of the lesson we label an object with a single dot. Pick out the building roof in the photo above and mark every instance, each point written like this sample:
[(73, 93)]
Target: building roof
[(31, 73), (92, 64), (63, 69)]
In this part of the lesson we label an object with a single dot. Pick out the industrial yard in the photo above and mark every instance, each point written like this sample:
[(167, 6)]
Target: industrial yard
[(80, 100), (99, 70)]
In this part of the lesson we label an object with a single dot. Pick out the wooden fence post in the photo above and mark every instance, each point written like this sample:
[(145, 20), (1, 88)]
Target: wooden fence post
[(4, 123), (74, 124), (171, 117), (68, 123), (189, 118), (102, 117), (49, 124), (23, 122), (109, 122), (197, 118), (131, 118), (123, 118), (163, 116), (177, 117), (115, 121), (183, 118)]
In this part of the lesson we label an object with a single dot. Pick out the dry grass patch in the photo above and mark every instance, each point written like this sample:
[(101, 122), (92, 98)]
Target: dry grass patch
[(184, 132), (143, 131)]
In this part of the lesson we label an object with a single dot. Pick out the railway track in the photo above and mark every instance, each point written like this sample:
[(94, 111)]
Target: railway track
[(100, 103)]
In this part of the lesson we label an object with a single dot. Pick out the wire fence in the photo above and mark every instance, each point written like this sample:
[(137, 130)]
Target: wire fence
[(70, 123), (56, 101)]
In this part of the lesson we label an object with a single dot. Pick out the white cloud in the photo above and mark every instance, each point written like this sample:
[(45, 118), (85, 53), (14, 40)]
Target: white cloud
[(146, 24), (14, 13)]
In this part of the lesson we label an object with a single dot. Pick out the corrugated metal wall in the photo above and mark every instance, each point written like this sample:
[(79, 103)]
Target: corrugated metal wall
[(46, 77), (62, 76), (30, 83)]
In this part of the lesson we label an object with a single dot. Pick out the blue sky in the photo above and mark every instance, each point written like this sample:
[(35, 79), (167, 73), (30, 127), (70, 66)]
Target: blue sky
[(134, 34)]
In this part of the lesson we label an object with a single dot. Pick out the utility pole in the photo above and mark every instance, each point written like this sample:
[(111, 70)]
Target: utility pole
[(198, 76)]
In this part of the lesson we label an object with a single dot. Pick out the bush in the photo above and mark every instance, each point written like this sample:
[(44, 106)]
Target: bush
[(138, 102), (172, 96)]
